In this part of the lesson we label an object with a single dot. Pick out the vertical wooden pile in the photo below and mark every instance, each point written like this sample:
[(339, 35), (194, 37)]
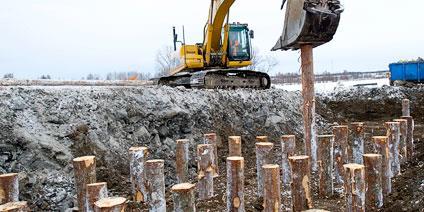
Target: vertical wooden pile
[(354, 187), (381, 145), (206, 170), (300, 186), (403, 139), (272, 195), (234, 146), (357, 144), (85, 173), (183, 195), (182, 158), (235, 184), (263, 157), (96, 192), (393, 133), (155, 184), (9, 188), (409, 137), (325, 164), (138, 157), (340, 152), (373, 181), (288, 149), (211, 138)]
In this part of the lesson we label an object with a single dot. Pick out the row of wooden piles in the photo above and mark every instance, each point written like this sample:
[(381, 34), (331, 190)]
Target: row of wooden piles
[(366, 178)]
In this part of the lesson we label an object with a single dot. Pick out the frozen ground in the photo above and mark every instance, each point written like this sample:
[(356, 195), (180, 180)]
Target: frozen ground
[(330, 87)]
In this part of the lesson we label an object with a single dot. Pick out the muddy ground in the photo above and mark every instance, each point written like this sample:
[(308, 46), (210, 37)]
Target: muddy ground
[(43, 128)]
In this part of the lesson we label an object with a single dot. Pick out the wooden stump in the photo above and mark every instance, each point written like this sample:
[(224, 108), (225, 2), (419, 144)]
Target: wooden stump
[(85, 173), (183, 195), (138, 157), (409, 137), (211, 138), (381, 145), (393, 133), (206, 170), (300, 186), (373, 181), (406, 109), (182, 158), (341, 134), (403, 139), (9, 188), (308, 93), (262, 139), (95, 192), (111, 204), (325, 164), (288, 148), (234, 146), (235, 184), (357, 144), (263, 157), (155, 185), (21, 206), (354, 187), (272, 195)]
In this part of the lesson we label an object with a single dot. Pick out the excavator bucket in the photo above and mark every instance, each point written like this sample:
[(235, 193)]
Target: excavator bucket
[(312, 22)]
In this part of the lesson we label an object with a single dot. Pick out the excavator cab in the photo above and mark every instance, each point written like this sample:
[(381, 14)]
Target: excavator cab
[(239, 48), (312, 22)]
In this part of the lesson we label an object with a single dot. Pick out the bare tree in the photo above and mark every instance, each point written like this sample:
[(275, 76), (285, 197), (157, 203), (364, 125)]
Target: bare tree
[(166, 61), (262, 63), (8, 76)]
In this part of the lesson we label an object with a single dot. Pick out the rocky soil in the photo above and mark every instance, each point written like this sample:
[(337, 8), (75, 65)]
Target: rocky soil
[(43, 128)]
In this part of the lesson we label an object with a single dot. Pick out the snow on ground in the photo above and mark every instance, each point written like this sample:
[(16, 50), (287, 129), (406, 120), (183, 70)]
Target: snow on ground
[(328, 87)]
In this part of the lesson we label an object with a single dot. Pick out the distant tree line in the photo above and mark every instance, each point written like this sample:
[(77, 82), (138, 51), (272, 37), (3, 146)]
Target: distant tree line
[(293, 78)]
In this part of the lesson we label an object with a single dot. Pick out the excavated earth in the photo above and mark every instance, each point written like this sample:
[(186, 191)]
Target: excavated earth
[(43, 128)]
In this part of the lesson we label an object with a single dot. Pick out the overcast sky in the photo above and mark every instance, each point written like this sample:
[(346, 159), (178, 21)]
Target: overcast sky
[(70, 38)]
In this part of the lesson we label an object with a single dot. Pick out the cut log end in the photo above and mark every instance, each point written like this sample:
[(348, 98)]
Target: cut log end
[(84, 158), (264, 144), (372, 155), (96, 184), (110, 202), (182, 141), (138, 149), (288, 137), (9, 175), (300, 157), (183, 187), (271, 166), (353, 166), (262, 139)]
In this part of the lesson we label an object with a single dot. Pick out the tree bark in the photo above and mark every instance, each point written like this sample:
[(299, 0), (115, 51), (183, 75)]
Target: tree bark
[(340, 152), (381, 145), (234, 146), (406, 109), (111, 204), (409, 137), (138, 157), (263, 157), (206, 170), (288, 148), (403, 139), (211, 138), (155, 185), (182, 158), (325, 164), (15, 206), (9, 188), (183, 195), (272, 195), (235, 184), (373, 181), (95, 192), (357, 144), (354, 187), (85, 173), (300, 186), (393, 133), (308, 93)]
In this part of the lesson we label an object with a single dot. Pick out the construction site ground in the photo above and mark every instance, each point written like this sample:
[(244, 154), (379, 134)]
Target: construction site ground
[(43, 128)]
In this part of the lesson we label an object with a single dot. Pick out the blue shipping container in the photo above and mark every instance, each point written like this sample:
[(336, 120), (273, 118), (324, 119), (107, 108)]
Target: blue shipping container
[(409, 71)]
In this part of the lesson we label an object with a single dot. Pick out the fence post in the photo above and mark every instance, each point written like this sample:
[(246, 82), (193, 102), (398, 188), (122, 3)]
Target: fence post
[(9, 188), (234, 146), (184, 197), (138, 157), (300, 186), (155, 185), (235, 184), (357, 144), (354, 187), (182, 158), (381, 145), (325, 164), (85, 173), (263, 157), (272, 195), (373, 176), (393, 133)]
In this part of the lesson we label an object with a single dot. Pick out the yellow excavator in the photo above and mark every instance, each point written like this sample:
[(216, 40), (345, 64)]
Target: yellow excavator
[(220, 61)]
